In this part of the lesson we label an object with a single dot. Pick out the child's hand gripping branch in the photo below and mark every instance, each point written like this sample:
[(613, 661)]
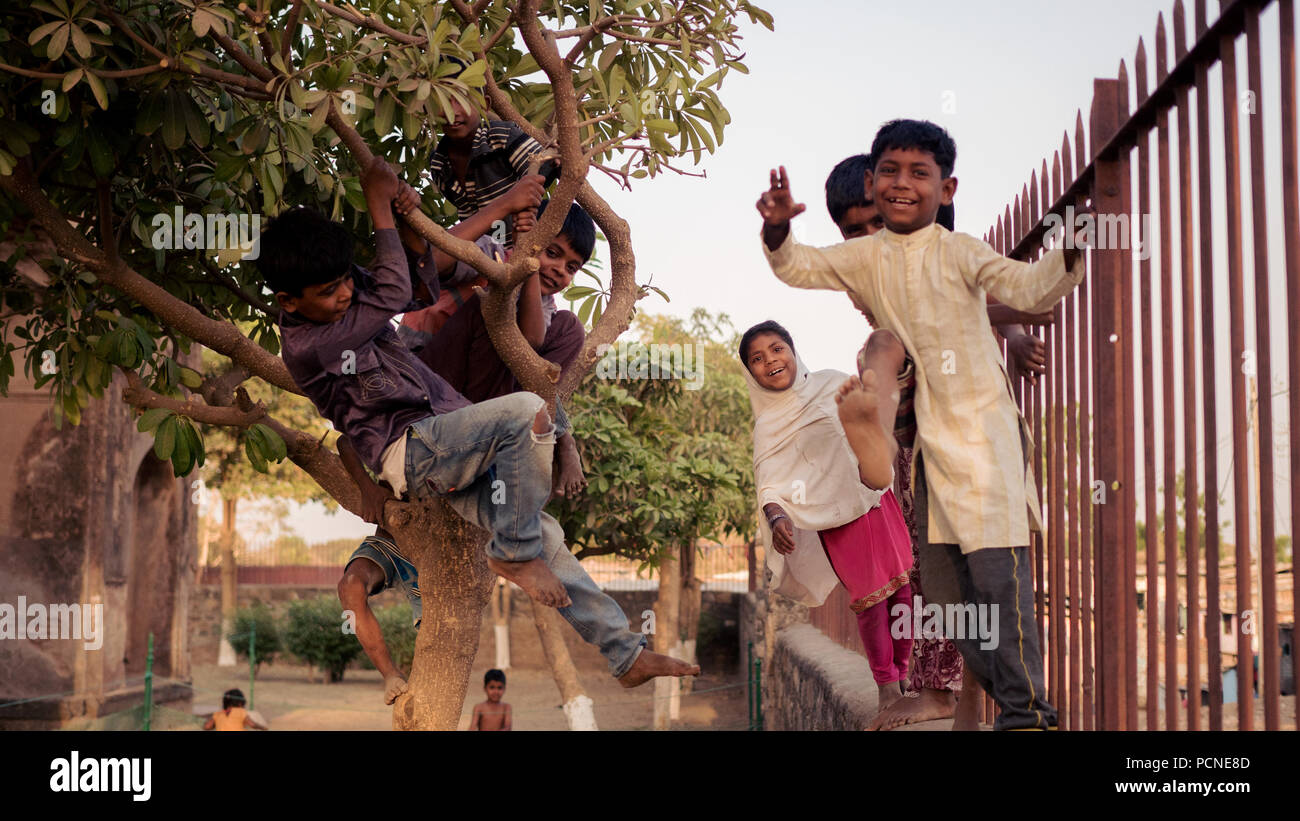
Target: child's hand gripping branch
[(778, 207)]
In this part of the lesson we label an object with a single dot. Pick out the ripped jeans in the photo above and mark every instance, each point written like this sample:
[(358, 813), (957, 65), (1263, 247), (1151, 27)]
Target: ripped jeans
[(489, 465)]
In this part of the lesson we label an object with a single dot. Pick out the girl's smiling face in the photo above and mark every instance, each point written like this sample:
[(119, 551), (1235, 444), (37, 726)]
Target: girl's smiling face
[(771, 360)]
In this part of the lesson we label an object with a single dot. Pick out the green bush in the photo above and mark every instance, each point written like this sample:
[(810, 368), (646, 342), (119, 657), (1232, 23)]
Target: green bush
[(314, 633), (399, 635), (266, 641)]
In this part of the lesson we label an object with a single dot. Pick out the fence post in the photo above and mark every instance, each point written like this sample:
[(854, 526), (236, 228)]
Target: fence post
[(148, 685), (1110, 184)]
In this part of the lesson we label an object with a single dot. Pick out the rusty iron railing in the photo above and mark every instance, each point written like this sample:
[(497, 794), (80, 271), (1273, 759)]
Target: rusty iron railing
[(1106, 662)]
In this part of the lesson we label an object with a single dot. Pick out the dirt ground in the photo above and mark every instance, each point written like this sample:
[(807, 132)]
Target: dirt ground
[(292, 697)]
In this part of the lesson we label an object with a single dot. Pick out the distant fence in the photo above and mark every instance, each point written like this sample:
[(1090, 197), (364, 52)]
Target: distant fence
[(718, 567)]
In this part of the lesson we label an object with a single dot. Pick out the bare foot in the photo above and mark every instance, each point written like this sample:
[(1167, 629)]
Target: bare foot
[(928, 705), (570, 480), (535, 578), (648, 665), (858, 404), (889, 693)]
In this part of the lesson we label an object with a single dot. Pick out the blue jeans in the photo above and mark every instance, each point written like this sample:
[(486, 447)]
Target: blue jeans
[(487, 463)]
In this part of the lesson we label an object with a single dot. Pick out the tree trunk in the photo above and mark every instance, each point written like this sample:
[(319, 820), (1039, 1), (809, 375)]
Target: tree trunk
[(501, 599), (692, 596), (448, 555), (577, 704), (229, 583), (667, 632)]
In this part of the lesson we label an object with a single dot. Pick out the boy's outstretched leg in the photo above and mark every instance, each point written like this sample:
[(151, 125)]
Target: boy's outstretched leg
[(649, 665), (600, 621), (867, 406)]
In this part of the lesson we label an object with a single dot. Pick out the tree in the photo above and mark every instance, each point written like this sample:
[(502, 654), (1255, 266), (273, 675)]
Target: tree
[(690, 458), (160, 124), (236, 470)]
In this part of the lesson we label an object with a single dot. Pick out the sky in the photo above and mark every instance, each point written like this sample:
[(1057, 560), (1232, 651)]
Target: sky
[(1004, 78)]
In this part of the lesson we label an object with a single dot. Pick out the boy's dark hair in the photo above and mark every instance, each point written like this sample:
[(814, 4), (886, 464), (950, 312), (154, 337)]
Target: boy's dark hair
[(768, 327), (578, 227), (494, 675), (302, 247), (845, 187), (920, 134), (947, 216), (232, 698)]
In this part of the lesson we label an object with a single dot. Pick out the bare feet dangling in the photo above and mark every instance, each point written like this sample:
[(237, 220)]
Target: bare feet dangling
[(535, 578), (648, 665)]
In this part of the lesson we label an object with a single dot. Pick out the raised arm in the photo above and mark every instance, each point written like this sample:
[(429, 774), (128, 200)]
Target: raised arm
[(800, 265), (1032, 287)]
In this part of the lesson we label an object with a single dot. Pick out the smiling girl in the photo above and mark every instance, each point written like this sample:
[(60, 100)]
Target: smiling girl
[(824, 522)]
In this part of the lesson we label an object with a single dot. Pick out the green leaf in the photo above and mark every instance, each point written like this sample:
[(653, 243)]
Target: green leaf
[(474, 75), (190, 378), (151, 418), (43, 31), (97, 88), (58, 42), (72, 78), (81, 43), (173, 122), (608, 56), (384, 114), (667, 126), (164, 441)]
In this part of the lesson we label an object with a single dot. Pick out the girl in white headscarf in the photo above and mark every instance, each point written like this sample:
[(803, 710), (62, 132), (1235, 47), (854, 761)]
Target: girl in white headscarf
[(823, 524)]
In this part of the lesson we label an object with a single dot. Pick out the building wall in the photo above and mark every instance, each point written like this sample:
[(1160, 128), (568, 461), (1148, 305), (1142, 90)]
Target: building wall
[(88, 515)]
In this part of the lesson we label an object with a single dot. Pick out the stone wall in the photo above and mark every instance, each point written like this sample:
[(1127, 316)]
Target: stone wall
[(809, 681), (89, 516), (812, 683)]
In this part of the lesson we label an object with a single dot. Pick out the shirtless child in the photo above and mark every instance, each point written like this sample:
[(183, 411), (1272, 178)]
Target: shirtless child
[(493, 714)]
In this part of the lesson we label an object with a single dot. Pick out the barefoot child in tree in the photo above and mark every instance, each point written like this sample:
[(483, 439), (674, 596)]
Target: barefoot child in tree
[(825, 523), (407, 425), (492, 714), (927, 285)]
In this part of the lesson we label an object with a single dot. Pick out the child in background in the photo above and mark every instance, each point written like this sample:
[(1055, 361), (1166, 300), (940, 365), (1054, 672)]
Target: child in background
[(232, 715), (824, 522), (492, 714), (927, 285)]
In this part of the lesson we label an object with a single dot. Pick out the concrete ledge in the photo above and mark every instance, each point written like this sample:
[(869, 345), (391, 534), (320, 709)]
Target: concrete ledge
[(811, 683)]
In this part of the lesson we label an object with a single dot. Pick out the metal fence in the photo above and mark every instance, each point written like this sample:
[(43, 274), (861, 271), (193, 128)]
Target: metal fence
[(1151, 375), (718, 567)]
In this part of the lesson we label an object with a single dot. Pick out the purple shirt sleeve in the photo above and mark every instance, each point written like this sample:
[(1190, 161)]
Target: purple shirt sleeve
[(464, 272), (372, 309)]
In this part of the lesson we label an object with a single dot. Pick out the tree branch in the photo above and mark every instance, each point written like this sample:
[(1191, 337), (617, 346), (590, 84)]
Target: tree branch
[(140, 396), (220, 336)]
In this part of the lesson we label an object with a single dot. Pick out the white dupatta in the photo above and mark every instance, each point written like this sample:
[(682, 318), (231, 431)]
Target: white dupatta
[(802, 461)]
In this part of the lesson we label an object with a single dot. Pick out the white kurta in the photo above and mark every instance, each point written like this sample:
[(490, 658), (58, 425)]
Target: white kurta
[(929, 287)]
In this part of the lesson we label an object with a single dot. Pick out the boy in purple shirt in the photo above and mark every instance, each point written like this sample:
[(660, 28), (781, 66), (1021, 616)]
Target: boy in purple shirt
[(490, 461)]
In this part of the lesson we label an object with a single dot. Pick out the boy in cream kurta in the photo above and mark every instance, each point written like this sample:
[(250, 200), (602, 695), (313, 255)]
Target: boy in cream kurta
[(927, 285)]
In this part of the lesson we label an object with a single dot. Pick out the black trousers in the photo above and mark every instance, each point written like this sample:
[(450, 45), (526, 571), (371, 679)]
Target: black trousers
[(999, 582)]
